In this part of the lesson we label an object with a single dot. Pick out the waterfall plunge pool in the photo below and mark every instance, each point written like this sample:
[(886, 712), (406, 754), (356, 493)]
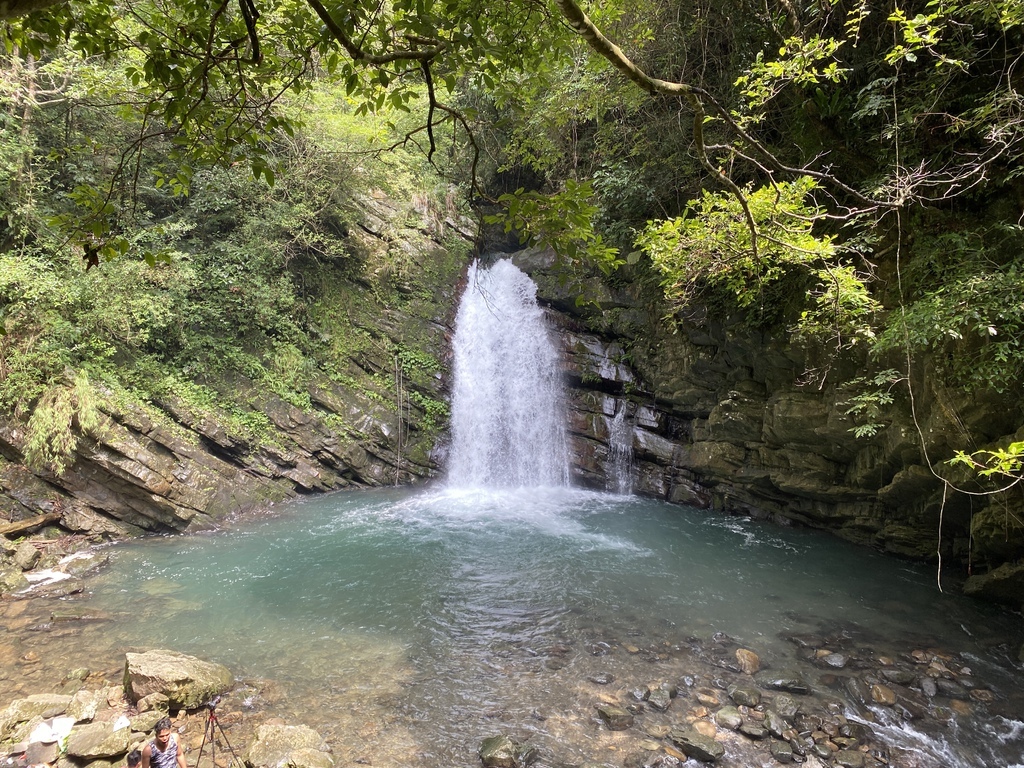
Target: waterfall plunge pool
[(408, 626)]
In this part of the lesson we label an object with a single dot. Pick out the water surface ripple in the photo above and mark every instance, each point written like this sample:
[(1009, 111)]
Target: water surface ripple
[(407, 626)]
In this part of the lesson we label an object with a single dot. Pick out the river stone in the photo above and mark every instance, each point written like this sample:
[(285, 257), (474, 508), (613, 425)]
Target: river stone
[(785, 705), (883, 694), (951, 688), (641, 693), (849, 758), (660, 699), (898, 676), (729, 717), (749, 661), (11, 579), (616, 718), (754, 731), (836, 660), (858, 690), (84, 705), (774, 723), (928, 687), (744, 696), (95, 740), (503, 752), (26, 556), (296, 746), (187, 682), (697, 746), (708, 697), (782, 751), (785, 681)]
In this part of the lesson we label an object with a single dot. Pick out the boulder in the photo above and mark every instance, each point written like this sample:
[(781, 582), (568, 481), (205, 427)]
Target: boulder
[(84, 705), (26, 556), (1005, 584), (39, 705), (504, 752), (97, 740), (186, 681), (11, 579), (295, 746)]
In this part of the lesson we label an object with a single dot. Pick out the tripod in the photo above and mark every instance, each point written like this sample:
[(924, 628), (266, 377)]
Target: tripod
[(210, 736)]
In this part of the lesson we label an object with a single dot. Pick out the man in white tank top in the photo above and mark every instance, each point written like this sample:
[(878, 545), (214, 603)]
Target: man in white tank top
[(164, 751)]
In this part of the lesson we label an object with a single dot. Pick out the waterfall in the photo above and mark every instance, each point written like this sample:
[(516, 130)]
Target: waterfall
[(619, 470), (508, 415)]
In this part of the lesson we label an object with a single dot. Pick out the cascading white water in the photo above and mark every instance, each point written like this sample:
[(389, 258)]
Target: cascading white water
[(619, 468), (508, 417)]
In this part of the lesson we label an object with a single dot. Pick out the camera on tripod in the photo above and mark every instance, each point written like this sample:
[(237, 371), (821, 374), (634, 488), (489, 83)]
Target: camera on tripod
[(210, 736)]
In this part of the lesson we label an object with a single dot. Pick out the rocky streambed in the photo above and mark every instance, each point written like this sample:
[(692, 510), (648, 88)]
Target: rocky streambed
[(841, 696)]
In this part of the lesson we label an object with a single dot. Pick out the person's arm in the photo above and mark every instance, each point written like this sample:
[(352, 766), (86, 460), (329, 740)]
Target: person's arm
[(181, 755), (145, 757)]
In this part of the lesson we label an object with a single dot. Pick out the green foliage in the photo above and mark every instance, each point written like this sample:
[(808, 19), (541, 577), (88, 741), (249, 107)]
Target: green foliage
[(436, 412), (870, 399), (562, 221), (217, 299), (1007, 463), (800, 62), (966, 310), (61, 415), (711, 248)]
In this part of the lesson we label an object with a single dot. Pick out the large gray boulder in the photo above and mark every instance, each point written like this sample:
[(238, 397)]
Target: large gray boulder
[(38, 705), (287, 746), (11, 579), (186, 681), (98, 740)]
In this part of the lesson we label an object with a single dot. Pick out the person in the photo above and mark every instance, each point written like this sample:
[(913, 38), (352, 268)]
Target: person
[(133, 759), (164, 751)]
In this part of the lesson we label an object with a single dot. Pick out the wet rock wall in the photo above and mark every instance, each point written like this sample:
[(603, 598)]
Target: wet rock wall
[(719, 416)]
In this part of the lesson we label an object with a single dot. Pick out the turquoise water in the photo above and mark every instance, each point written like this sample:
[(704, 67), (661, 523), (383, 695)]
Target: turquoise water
[(407, 626)]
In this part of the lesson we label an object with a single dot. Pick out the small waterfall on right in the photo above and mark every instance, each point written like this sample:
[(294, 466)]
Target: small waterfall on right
[(619, 468), (508, 413)]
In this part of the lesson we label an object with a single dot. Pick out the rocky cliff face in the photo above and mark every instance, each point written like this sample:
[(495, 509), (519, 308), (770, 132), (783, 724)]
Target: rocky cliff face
[(719, 416), (166, 466)]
